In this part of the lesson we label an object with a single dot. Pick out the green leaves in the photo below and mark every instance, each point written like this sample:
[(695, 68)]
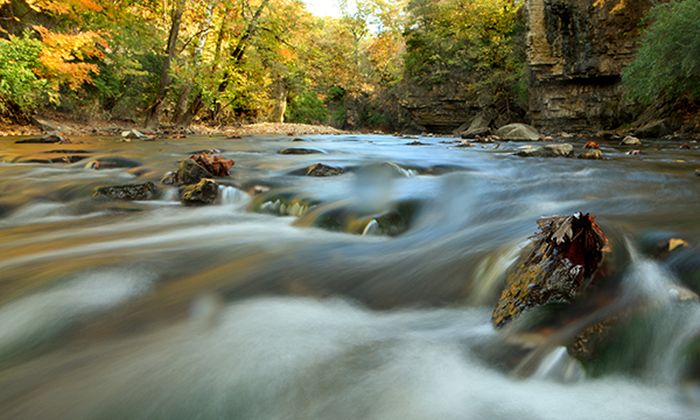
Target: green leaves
[(667, 65)]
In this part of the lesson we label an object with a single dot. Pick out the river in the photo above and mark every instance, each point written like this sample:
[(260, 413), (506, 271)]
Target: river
[(255, 308)]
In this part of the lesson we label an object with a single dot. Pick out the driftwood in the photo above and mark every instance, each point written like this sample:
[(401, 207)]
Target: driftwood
[(561, 262)]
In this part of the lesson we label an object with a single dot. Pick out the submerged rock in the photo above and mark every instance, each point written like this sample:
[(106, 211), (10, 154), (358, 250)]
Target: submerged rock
[(550, 150), (631, 141), (592, 154), (518, 132), (321, 170), (112, 163), (559, 264), (206, 191), (47, 139), (299, 151), (132, 192)]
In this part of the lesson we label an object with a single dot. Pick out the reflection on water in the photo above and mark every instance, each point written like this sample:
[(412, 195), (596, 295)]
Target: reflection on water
[(154, 310)]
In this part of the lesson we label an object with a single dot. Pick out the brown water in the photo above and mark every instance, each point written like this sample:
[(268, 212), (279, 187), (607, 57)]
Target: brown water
[(155, 310)]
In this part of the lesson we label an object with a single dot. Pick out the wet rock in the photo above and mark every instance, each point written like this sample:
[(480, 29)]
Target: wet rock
[(284, 203), (61, 159), (631, 141), (47, 139), (590, 144), (216, 165), (69, 151), (206, 191), (112, 163), (147, 191), (206, 151), (592, 154), (299, 151), (465, 144), (298, 139), (134, 135), (550, 150), (391, 222), (518, 132), (697, 172), (170, 178), (416, 143), (561, 261), (635, 152), (321, 170), (190, 172)]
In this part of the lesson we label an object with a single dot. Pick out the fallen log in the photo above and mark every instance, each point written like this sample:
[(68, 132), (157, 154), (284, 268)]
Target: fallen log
[(557, 267)]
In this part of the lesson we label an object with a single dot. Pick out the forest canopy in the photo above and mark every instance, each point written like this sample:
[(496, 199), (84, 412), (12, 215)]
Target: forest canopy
[(224, 61)]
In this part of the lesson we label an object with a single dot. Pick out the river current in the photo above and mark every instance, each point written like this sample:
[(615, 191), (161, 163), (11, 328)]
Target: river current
[(256, 308)]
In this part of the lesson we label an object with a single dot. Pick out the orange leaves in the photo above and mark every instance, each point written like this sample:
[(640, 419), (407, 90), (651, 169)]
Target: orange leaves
[(64, 56), (61, 7), (216, 165)]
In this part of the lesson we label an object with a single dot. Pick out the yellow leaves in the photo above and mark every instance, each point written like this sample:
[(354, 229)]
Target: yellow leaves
[(60, 7), (619, 5), (64, 55)]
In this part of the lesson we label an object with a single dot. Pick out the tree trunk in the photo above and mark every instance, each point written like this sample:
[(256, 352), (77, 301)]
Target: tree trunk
[(280, 108), (237, 52), (180, 117), (153, 112)]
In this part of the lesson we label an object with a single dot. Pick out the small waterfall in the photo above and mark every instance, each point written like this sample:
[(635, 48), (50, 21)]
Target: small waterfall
[(559, 366), (670, 317), (231, 196)]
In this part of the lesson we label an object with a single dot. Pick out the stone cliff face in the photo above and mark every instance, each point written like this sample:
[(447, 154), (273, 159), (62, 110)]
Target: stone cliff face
[(439, 108), (576, 52)]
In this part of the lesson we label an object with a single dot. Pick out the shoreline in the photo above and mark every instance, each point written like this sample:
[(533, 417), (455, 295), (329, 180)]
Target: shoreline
[(67, 127)]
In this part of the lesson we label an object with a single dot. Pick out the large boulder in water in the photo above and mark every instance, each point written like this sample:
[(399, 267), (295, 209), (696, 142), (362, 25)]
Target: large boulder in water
[(132, 192), (518, 132), (321, 170), (206, 191), (561, 261), (201, 166)]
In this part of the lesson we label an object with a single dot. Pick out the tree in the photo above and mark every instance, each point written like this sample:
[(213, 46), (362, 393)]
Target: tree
[(153, 113), (667, 65)]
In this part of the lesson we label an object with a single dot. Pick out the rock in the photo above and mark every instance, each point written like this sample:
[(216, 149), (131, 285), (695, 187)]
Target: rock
[(60, 159), (550, 150), (202, 193), (216, 165), (298, 139), (635, 152), (592, 154), (697, 172), (146, 191), (47, 139), (416, 143), (134, 135), (170, 178), (562, 259), (190, 172), (479, 126), (654, 129), (321, 170), (590, 144), (112, 163), (299, 151), (631, 141), (518, 132), (46, 125)]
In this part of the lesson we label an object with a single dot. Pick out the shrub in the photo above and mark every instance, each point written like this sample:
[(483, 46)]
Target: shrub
[(21, 90), (667, 64), (306, 108)]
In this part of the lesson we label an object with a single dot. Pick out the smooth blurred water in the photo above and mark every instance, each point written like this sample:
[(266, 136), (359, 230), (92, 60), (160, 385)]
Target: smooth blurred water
[(155, 310)]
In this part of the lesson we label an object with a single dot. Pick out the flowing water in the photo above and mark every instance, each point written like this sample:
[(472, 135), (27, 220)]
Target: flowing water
[(258, 307)]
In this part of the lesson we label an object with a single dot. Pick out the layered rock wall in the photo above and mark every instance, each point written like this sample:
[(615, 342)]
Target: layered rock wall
[(577, 50)]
